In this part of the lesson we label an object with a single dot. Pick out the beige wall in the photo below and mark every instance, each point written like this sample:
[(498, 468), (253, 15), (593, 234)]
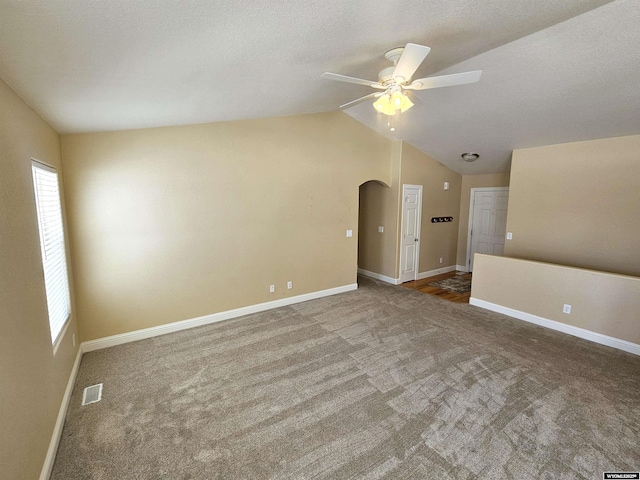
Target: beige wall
[(32, 379), (469, 182), (173, 223), (379, 206), (600, 302), (437, 239), (380, 253), (577, 204)]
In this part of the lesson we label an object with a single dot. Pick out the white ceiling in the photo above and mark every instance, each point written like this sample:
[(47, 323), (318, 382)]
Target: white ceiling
[(554, 71)]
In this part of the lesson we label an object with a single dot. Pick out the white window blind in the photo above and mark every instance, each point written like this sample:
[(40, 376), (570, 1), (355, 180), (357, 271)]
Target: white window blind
[(45, 181)]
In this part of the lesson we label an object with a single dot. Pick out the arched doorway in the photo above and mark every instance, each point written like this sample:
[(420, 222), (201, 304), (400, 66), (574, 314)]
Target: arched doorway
[(377, 231)]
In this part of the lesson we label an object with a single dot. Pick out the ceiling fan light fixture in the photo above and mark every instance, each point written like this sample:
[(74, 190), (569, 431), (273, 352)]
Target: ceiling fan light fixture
[(470, 157), (389, 104), (381, 103), (393, 80), (406, 103), (384, 105)]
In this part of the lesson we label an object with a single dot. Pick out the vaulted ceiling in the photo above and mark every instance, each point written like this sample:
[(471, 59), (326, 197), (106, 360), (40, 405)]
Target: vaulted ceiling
[(553, 71)]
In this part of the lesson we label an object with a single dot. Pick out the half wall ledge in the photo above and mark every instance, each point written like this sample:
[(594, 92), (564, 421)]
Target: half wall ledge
[(604, 307)]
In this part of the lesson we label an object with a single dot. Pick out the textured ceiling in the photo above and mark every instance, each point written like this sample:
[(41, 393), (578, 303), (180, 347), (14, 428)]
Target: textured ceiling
[(123, 64), (578, 80)]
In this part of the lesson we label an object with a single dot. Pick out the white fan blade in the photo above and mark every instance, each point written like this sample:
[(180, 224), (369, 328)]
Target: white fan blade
[(361, 99), (410, 60), (445, 80), (344, 78)]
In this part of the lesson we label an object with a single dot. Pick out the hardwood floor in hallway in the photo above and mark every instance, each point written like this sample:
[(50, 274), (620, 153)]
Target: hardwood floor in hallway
[(424, 287)]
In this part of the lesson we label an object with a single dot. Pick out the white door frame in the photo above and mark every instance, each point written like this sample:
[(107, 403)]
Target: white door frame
[(471, 208), (419, 228)]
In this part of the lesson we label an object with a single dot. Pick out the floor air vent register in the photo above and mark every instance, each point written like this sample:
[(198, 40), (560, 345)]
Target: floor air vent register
[(92, 394)]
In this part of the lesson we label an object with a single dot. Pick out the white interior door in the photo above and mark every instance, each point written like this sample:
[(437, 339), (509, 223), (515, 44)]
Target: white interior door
[(410, 241), (488, 221)]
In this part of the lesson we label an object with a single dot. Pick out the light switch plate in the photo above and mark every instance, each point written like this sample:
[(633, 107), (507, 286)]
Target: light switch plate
[(349, 233), (509, 235), (380, 229)]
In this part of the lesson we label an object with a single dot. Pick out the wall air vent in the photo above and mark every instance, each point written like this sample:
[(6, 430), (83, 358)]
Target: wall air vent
[(92, 394)]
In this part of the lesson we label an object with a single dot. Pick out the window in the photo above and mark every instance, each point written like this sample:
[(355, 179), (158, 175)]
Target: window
[(56, 282)]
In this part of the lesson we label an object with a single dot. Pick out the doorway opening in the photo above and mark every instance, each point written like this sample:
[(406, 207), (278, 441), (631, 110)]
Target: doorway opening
[(377, 230)]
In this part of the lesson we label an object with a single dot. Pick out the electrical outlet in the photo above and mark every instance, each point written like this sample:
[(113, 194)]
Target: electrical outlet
[(441, 260), (566, 308), (272, 288), (380, 229), (289, 284)]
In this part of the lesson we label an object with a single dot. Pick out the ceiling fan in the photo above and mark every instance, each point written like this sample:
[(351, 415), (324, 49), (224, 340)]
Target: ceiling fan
[(395, 83)]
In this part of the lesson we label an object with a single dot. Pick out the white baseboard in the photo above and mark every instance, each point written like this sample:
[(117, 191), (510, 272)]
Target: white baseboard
[(397, 281), (437, 271), (377, 276), (462, 268), (113, 340), (62, 414), (559, 326)]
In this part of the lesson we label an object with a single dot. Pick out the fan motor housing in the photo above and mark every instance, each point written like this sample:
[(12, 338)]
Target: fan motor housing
[(386, 74)]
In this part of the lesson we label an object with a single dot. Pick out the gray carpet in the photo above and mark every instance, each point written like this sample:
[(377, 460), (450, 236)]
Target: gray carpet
[(382, 382)]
